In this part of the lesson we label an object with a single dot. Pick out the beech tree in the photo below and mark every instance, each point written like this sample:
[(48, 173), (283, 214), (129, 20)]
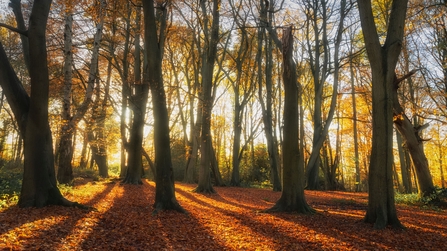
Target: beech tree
[(139, 100), (65, 154), (266, 12), (211, 33), (154, 34), (383, 59), (292, 196), (39, 186)]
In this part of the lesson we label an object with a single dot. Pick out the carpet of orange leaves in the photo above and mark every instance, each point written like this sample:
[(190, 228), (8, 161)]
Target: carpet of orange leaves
[(229, 220)]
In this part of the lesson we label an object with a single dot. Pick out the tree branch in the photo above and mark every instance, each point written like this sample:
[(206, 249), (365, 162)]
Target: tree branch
[(9, 27), (408, 75)]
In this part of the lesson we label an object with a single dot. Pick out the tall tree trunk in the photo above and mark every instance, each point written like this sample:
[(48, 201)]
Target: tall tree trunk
[(125, 95), (154, 43), (134, 170), (208, 60), (266, 105), (358, 185), (320, 73), (65, 149), (65, 172), (404, 166), (292, 197), (100, 128), (383, 59), (31, 112)]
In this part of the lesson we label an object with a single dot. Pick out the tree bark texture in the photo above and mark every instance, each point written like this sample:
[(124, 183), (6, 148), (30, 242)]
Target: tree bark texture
[(383, 59), (208, 60), (154, 42), (31, 112), (65, 172), (413, 143), (292, 197)]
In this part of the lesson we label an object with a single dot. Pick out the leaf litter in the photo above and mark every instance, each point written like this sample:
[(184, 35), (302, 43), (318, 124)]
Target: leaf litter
[(231, 219)]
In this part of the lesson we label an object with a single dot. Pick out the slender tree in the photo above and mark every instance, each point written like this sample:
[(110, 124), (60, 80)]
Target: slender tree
[(211, 32), (65, 169), (139, 102), (266, 16)]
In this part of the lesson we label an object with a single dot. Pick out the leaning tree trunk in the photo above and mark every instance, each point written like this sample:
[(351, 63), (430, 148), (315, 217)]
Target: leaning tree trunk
[(292, 197), (413, 143), (383, 59), (64, 171)]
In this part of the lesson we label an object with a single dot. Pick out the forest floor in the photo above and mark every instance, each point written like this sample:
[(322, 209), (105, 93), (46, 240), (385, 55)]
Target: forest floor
[(229, 220)]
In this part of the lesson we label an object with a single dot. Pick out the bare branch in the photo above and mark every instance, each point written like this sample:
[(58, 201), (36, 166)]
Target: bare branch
[(9, 27), (408, 75)]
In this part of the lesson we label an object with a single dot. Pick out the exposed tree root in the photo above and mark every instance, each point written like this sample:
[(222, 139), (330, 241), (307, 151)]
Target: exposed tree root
[(66, 203), (208, 190), (282, 206), (173, 205)]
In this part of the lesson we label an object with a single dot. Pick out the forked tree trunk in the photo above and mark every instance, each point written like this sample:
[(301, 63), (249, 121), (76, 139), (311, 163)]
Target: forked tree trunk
[(64, 171), (383, 59), (134, 170), (39, 181), (209, 57), (292, 197)]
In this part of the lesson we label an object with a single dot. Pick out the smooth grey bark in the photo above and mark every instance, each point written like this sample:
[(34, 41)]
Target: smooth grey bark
[(383, 59), (64, 171)]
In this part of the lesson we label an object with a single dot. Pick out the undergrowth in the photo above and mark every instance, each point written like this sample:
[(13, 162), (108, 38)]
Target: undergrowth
[(436, 201)]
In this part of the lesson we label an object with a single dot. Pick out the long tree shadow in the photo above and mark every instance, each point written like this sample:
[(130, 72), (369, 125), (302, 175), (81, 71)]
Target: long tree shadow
[(338, 223), (344, 225), (15, 217), (41, 223), (129, 224), (249, 226)]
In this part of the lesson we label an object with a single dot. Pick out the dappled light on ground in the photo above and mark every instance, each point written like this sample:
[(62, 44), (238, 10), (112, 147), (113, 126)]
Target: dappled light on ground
[(232, 219)]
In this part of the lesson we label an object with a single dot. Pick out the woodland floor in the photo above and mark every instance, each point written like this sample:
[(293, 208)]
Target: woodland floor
[(228, 220)]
